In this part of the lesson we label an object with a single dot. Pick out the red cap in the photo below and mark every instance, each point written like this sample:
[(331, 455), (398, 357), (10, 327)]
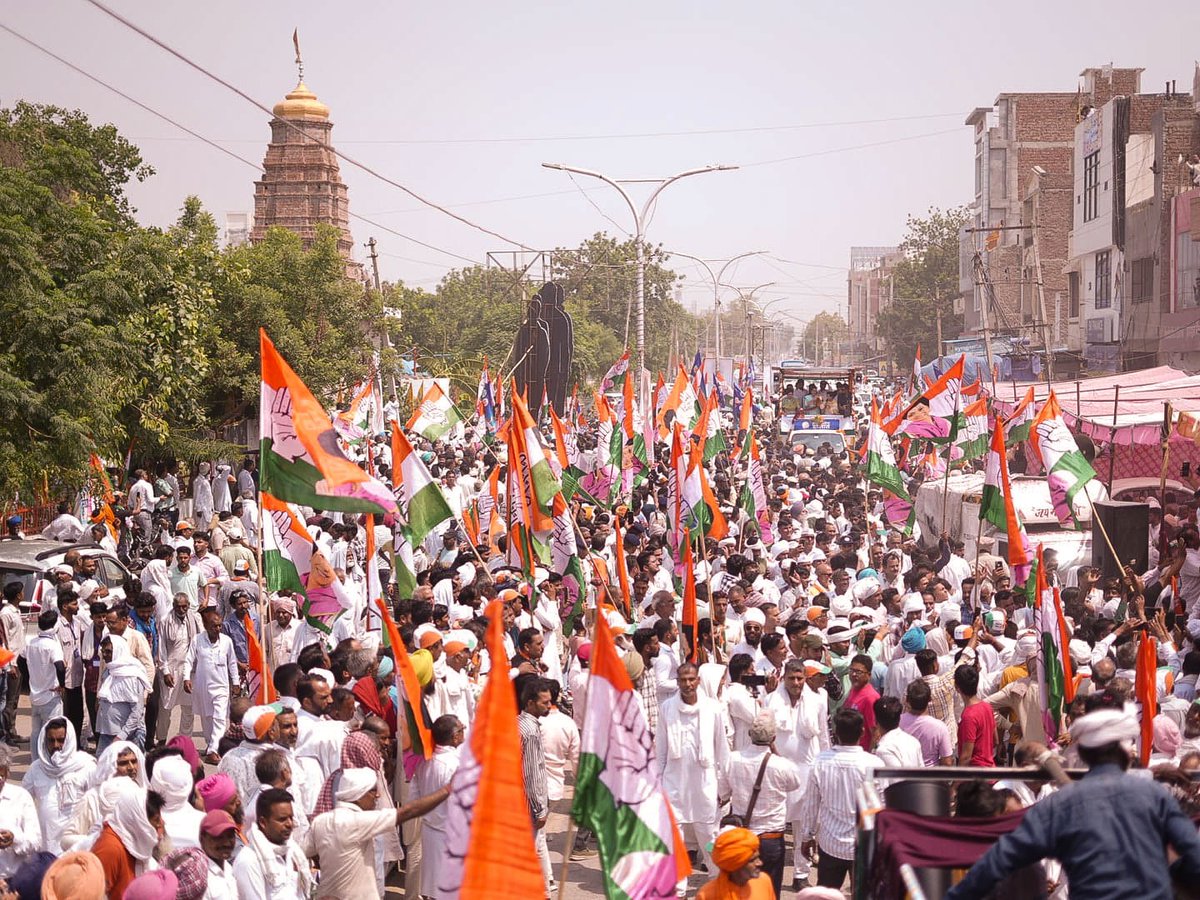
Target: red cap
[(217, 823)]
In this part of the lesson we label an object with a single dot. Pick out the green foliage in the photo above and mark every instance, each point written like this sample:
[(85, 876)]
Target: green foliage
[(318, 319), (475, 313), (822, 335), (117, 334), (925, 284)]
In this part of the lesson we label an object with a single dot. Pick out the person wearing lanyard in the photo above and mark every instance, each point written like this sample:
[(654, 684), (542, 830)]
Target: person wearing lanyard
[(89, 648)]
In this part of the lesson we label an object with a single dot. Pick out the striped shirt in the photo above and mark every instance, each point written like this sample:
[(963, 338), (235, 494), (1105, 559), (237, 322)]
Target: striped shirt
[(829, 809), (533, 765), (647, 686)]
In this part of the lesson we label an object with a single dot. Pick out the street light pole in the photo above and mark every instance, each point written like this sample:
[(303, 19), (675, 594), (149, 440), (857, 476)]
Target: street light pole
[(716, 283), (746, 295), (639, 221)]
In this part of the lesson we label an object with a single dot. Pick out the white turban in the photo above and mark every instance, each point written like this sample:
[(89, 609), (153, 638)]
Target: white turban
[(841, 606), (868, 586), (1103, 727), (912, 604), (949, 611), (466, 572), (173, 780), (1081, 652), (443, 592), (1026, 648), (354, 783), (754, 615)]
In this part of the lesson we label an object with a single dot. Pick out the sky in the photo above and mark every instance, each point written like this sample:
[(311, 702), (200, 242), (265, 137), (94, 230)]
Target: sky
[(844, 118)]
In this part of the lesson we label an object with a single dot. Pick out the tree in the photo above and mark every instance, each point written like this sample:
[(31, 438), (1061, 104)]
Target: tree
[(323, 323), (822, 336), (101, 317), (925, 284)]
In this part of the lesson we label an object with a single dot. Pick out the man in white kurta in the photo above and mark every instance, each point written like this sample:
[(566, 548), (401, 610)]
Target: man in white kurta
[(57, 780), (20, 833), (431, 776), (691, 752), (801, 709), (177, 632), (212, 677)]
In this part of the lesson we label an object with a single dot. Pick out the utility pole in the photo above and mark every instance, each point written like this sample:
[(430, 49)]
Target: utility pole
[(717, 284), (639, 221), (387, 340), (374, 261), (939, 332)]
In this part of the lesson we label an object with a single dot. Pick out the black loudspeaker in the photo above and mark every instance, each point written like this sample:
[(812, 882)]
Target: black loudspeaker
[(1128, 527)]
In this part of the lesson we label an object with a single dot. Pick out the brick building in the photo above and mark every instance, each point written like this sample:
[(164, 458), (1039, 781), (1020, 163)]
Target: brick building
[(301, 186), (1024, 146), (1127, 172), (868, 290), (1163, 239)]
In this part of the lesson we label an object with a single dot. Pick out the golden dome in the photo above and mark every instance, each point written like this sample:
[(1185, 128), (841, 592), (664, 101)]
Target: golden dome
[(301, 103)]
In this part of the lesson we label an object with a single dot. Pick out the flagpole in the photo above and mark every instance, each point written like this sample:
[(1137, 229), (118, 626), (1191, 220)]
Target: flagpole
[(1166, 455), (269, 649)]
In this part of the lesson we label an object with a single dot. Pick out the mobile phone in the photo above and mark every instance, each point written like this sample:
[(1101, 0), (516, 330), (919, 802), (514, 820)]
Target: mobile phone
[(1186, 469)]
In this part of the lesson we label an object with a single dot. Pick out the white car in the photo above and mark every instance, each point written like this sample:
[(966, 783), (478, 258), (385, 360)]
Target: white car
[(28, 561)]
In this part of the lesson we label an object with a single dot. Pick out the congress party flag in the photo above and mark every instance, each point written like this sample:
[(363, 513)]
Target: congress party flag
[(618, 794), (1067, 471), (435, 415), (996, 507), (300, 460)]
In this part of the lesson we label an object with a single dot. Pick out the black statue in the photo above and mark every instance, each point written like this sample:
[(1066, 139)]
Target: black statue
[(544, 348)]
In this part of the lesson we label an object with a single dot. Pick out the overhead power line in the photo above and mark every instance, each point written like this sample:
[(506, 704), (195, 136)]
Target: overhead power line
[(202, 138), (833, 150), (546, 139), (158, 42)]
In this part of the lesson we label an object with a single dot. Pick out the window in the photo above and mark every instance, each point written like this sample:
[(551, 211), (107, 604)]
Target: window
[(1187, 271), (1073, 295), (1141, 280), (1103, 280), (1091, 186)]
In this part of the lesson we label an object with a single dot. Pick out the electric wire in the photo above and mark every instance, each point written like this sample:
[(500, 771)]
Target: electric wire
[(297, 129), (200, 137)]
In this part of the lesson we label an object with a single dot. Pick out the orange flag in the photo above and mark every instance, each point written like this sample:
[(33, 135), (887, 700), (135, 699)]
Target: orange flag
[(488, 829), (622, 568), (264, 691), (416, 737), (690, 619), (1146, 689)]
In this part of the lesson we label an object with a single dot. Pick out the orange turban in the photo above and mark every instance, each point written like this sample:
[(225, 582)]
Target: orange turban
[(734, 848)]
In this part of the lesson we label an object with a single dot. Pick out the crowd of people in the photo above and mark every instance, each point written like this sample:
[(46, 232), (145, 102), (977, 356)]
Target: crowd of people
[(827, 644)]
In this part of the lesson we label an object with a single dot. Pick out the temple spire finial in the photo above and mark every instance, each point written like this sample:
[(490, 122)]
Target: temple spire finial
[(299, 59)]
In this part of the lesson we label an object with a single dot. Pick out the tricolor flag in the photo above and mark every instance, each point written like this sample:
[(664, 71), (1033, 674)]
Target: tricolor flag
[(435, 415), (679, 405), (1017, 425), (415, 736), (564, 554), (300, 461), (708, 427), (916, 375), (618, 794), (423, 504), (944, 400), (703, 511), (972, 440), (488, 832), (996, 507), (619, 368), (1054, 668), (287, 547), (881, 459), (883, 471), (532, 487), (1067, 471), (622, 569), (753, 497)]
